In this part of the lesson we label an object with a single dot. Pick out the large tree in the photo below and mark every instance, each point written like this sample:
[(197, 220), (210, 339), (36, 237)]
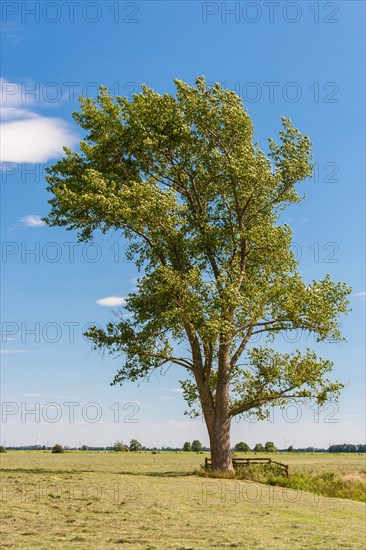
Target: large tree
[(181, 179)]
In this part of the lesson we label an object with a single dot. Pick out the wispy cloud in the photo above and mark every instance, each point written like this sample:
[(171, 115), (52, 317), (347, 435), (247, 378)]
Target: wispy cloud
[(111, 301), (32, 220), (129, 401), (133, 283), (10, 30), (44, 395), (176, 390), (26, 135), (165, 397), (11, 351), (360, 294)]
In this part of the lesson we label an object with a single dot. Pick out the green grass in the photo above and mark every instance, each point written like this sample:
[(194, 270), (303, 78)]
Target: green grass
[(145, 501), (327, 483)]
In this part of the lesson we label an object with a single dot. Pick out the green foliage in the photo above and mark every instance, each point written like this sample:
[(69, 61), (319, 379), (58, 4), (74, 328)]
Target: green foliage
[(2, 449), (242, 447), (290, 449), (57, 448), (326, 484), (135, 445), (347, 448), (258, 448), (181, 178), (196, 446), (119, 446), (270, 447), (187, 446)]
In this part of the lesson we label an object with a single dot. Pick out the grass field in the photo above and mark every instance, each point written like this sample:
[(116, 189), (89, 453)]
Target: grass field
[(326, 474), (100, 501)]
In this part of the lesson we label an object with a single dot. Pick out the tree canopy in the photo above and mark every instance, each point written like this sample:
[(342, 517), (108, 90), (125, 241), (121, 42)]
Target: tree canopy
[(183, 180)]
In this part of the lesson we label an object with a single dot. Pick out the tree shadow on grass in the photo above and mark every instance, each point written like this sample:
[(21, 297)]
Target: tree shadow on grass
[(157, 474), (43, 471)]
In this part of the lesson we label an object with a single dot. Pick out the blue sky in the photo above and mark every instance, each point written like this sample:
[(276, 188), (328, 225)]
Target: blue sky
[(302, 59)]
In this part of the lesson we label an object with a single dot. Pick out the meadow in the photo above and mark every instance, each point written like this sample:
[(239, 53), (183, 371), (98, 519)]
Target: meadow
[(98, 500)]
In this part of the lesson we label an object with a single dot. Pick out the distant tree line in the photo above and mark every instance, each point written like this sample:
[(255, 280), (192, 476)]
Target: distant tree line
[(194, 446), (347, 448), (268, 447)]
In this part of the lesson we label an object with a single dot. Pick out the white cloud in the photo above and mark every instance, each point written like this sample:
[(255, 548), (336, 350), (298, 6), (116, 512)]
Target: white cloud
[(26, 135), (32, 220), (111, 301), (38, 139)]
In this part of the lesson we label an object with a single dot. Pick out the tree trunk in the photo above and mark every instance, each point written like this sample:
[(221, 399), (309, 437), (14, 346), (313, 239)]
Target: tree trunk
[(220, 432), (217, 413), (220, 445), (218, 426)]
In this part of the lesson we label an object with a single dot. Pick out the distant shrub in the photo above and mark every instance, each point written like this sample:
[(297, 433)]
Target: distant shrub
[(242, 447), (196, 446), (135, 445), (119, 446), (57, 448), (154, 452), (2, 449)]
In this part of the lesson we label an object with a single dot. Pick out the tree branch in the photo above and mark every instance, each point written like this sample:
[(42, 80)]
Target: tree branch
[(258, 402)]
